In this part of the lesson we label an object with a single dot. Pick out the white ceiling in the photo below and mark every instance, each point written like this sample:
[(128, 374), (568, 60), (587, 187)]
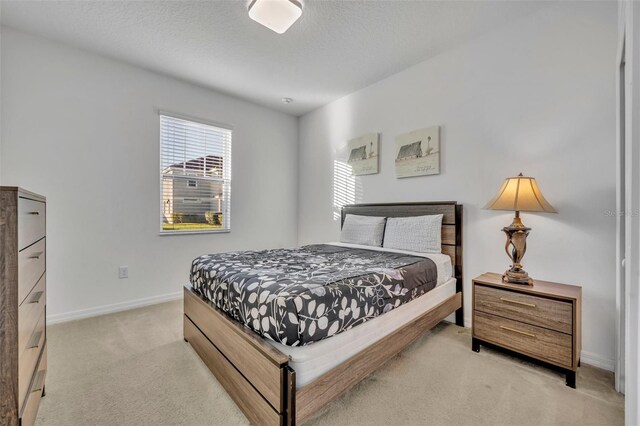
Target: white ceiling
[(336, 48)]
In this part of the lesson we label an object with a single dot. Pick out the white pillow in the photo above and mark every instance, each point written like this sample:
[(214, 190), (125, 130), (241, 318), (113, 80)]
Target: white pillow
[(421, 234), (366, 230)]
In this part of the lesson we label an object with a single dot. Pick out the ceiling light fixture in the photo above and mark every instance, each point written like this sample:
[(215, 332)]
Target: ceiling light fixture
[(277, 15), (286, 100)]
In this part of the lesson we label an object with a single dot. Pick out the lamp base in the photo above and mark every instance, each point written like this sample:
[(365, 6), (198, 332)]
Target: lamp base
[(517, 277), (515, 247)]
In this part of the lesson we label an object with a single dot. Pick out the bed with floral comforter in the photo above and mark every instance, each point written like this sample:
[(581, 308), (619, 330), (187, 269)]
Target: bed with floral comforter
[(303, 295)]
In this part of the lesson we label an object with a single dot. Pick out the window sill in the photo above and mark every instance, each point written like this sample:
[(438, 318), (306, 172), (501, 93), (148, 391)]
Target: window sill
[(207, 231)]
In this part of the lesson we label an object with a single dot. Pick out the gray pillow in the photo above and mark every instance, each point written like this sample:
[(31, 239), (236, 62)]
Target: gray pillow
[(417, 233), (366, 230)]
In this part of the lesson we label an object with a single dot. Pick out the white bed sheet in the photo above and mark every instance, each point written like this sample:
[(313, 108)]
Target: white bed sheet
[(313, 360), (442, 261)]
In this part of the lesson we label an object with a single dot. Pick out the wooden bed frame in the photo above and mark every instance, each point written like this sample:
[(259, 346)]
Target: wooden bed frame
[(257, 376)]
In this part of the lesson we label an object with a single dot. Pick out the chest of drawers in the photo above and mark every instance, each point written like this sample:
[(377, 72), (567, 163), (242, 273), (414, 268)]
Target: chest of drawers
[(541, 321), (23, 296)]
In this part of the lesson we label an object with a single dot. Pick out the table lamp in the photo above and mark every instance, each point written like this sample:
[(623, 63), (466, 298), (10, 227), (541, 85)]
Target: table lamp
[(518, 194)]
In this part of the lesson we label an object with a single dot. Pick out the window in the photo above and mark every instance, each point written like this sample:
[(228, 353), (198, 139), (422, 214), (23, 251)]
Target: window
[(195, 175)]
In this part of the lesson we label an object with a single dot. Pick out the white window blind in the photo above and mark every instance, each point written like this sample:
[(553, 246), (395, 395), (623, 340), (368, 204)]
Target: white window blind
[(195, 175)]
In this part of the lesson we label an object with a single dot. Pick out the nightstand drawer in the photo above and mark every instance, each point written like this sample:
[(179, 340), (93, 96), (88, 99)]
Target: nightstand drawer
[(540, 311), (538, 342)]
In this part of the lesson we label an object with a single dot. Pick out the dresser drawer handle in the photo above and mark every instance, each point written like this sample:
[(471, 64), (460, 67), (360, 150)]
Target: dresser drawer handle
[(36, 256), (34, 342), (36, 297), (38, 383), (517, 331), (34, 213), (517, 302)]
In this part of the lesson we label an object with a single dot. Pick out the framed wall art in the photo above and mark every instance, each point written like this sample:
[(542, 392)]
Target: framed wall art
[(418, 153), (363, 154)]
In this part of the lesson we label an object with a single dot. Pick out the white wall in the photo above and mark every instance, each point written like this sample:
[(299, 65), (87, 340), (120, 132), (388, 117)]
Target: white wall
[(537, 96), (83, 130), (629, 33)]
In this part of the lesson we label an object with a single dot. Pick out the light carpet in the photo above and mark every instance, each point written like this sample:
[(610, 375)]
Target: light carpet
[(134, 368)]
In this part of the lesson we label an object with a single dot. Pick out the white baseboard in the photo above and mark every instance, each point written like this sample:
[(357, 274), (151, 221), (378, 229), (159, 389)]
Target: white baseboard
[(115, 307), (597, 361), (586, 357)]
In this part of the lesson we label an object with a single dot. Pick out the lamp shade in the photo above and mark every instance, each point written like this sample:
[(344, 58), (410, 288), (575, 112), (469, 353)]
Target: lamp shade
[(520, 193)]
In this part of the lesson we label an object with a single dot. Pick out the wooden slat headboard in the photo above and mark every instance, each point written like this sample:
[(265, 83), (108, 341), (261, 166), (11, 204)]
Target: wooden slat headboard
[(451, 223)]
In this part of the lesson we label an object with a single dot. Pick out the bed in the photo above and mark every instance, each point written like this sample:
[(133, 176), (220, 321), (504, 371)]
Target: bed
[(280, 366)]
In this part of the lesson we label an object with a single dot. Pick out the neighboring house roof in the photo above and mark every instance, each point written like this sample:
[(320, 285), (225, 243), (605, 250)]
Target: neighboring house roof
[(358, 153), (410, 150), (200, 164)]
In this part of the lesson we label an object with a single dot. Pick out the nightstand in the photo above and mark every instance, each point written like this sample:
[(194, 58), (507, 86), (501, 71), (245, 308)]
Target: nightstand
[(540, 321)]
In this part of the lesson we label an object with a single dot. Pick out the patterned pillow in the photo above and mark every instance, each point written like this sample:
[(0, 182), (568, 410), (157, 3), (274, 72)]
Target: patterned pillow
[(366, 230), (417, 233)]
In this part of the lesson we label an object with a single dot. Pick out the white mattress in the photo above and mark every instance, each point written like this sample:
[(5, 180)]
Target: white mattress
[(313, 360), (442, 261)]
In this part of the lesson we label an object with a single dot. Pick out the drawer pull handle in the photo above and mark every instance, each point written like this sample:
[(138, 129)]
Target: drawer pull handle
[(34, 342), (517, 302), (36, 256), (517, 331), (34, 213), (36, 297), (38, 383)]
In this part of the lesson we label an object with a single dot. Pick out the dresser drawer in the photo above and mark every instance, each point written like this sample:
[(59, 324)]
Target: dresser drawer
[(30, 312), (547, 345), (540, 311), (36, 388), (31, 221), (31, 265), (28, 358)]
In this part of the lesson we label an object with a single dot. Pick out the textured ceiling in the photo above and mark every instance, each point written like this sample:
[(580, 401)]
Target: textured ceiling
[(336, 48)]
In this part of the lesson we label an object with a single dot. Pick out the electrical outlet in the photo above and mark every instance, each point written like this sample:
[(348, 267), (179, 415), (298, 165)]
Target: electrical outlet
[(123, 272)]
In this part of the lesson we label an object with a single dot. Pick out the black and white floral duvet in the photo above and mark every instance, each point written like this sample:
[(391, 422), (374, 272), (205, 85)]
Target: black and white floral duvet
[(299, 296)]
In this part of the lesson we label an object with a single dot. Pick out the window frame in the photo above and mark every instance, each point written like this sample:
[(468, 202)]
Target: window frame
[(161, 230)]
